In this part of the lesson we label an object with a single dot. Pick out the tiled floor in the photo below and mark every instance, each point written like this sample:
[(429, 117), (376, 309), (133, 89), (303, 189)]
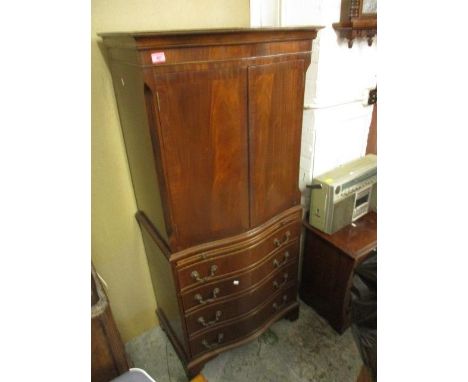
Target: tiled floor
[(305, 350)]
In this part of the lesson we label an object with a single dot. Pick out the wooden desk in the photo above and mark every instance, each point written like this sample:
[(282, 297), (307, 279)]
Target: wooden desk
[(328, 266)]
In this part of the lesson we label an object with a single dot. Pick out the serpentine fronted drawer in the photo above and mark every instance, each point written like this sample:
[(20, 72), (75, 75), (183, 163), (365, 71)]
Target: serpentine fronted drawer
[(227, 287), (221, 312), (220, 266), (234, 332)]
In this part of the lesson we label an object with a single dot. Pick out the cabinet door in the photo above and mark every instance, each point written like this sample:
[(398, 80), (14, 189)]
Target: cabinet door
[(203, 130), (276, 93)]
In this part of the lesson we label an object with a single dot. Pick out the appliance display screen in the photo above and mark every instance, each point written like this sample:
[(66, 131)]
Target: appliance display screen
[(362, 200)]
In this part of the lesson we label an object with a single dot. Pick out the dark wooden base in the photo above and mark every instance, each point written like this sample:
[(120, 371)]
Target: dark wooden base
[(293, 315), (194, 366)]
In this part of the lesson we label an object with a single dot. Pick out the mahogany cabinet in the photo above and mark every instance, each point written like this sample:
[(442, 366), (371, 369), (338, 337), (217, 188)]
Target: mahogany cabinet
[(212, 126)]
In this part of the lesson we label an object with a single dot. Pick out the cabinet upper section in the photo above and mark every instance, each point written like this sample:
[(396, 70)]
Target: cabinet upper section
[(212, 126)]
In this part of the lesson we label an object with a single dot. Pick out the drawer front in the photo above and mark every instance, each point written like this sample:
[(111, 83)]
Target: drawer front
[(233, 332), (221, 290), (220, 312), (219, 266)]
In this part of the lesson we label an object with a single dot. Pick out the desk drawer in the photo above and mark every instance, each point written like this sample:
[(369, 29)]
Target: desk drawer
[(205, 268), (235, 331), (220, 290), (219, 313)]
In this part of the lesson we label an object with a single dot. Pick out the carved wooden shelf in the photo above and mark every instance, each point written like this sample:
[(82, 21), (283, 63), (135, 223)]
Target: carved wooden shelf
[(358, 19), (352, 30)]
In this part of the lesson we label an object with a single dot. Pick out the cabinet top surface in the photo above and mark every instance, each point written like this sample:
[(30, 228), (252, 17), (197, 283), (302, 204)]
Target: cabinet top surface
[(354, 241), (185, 32), (206, 37)]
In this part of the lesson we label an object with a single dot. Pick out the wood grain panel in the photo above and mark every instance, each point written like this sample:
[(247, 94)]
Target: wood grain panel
[(245, 326), (203, 119), (212, 53), (238, 242), (276, 93), (325, 277), (355, 240), (242, 304), (103, 367), (208, 37), (328, 265), (233, 285), (235, 261)]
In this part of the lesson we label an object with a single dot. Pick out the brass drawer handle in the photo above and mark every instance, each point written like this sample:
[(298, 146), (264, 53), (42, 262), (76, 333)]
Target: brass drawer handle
[(278, 307), (285, 280), (277, 264), (196, 276), (201, 320), (214, 344), (199, 297), (286, 237)]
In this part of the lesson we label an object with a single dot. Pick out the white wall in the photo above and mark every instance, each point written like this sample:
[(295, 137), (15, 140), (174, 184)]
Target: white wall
[(336, 121), (264, 13)]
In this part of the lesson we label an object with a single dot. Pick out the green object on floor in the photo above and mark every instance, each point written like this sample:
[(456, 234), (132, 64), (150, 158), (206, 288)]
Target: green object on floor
[(269, 337)]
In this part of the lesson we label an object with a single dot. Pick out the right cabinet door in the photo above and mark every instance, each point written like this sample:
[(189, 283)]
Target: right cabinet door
[(276, 99)]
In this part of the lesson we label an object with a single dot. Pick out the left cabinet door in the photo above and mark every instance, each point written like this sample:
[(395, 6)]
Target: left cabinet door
[(203, 133)]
